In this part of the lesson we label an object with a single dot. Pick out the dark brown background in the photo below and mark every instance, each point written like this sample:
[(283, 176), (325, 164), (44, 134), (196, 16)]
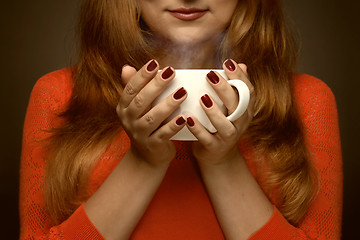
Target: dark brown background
[(37, 37)]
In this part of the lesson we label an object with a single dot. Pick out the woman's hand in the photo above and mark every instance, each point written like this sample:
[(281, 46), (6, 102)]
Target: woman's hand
[(221, 146), (240, 205), (120, 202), (142, 122)]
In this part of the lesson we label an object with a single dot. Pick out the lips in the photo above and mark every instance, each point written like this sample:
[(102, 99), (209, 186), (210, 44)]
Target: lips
[(188, 14)]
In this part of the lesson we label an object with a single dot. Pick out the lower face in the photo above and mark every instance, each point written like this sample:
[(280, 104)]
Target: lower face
[(187, 22)]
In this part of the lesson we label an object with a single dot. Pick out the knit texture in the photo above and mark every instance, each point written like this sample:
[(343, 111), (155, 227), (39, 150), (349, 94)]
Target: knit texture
[(181, 208)]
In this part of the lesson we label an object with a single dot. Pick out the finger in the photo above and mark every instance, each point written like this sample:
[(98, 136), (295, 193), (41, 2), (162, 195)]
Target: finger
[(237, 71), (223, 126), (250, 109), (224, 90), (168, 130), (199, 131), (142, 101), (153, 118), (138, 81)]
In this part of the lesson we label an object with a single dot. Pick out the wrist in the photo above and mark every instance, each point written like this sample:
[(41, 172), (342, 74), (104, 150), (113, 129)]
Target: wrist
[(224, 163), (144, 160)]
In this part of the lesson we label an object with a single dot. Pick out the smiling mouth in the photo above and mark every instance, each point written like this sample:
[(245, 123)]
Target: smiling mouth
[(188, 14)]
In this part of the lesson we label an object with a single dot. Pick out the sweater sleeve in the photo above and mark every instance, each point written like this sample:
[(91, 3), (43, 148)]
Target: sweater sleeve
[(317, 108), (48, 98)]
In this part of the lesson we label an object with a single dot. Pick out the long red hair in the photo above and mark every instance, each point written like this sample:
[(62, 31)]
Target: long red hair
[(112, 34)]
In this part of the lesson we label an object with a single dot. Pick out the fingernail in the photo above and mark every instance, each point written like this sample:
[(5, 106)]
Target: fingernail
[(167, 73), (180, 93), (180, 121), (190, 121), (207, 101), (230, 65), (213, 77), (152, 65)]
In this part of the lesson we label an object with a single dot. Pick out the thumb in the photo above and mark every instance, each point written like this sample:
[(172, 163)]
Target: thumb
[(127, 73), (243, 68)]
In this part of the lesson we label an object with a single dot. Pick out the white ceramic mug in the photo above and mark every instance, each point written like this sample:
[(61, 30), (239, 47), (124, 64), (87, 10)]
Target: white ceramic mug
[(195, 83)]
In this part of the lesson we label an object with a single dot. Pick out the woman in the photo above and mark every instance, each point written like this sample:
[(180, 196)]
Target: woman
[(97, 161)]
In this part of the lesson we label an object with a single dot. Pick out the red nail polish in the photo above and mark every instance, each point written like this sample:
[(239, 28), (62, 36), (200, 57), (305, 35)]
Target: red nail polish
[(213, 77), (180, 121), (152, 65), (180, 93), (167, 73), (190, 121), (230, 65), (207, 101)]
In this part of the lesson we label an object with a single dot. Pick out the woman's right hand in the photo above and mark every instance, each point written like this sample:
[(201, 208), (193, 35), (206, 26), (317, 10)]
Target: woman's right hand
[(150, 140), (118, 205)]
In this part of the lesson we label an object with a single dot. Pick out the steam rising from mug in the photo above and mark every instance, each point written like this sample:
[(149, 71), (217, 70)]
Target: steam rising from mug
[(189, 52)]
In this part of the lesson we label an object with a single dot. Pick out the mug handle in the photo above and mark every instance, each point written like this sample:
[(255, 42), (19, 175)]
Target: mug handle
[(244, 98)]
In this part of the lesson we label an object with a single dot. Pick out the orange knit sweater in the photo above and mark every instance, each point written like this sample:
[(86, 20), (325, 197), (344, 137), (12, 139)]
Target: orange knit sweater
[(181, 208)]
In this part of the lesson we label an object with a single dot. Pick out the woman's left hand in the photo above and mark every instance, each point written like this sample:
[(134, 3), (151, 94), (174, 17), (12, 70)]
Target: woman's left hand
[(215, 148)]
